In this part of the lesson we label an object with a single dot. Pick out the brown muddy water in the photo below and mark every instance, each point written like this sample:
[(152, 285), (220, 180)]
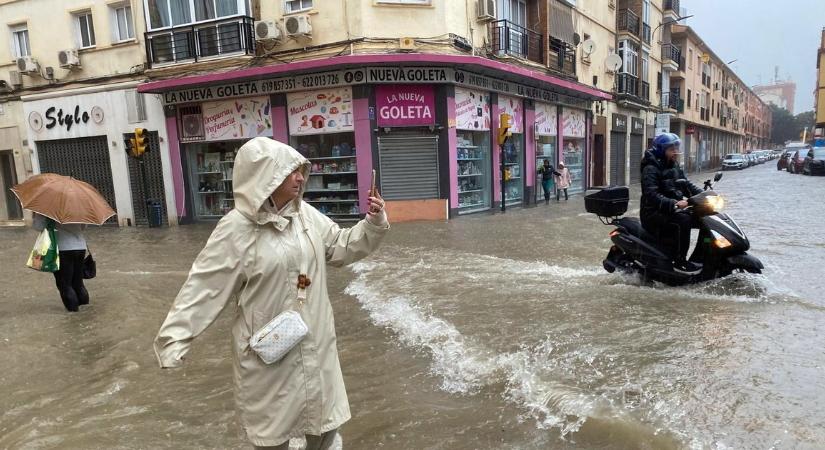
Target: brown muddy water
[(488, 332)]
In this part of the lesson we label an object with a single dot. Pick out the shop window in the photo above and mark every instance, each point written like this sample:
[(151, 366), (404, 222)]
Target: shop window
[(85, 29), (574, 146), (123, 26), (473, 155), (20, 40)]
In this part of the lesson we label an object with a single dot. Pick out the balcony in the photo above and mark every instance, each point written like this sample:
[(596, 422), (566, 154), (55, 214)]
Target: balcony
[(217, 38), (671, 56), (628, 21), (515, 40), (646, 33), (627, 86), (562, 57), (672, 9)]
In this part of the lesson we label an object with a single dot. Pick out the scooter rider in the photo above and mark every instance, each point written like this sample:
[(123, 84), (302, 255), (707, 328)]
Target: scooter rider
[(663, 203)]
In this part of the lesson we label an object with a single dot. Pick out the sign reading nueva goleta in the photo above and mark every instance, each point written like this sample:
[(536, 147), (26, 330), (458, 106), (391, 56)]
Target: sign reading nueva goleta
[(368, 75)]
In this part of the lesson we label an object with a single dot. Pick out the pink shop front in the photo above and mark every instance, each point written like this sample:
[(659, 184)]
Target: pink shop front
[(427, 131)]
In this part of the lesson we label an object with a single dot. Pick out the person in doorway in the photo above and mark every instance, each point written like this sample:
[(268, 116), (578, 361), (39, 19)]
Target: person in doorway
[(270, 255), (71, 246), (547, 173), (663, 201), (563, 181)]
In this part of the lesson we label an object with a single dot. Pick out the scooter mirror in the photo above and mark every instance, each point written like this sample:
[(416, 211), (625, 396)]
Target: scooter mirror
[(717, 177)]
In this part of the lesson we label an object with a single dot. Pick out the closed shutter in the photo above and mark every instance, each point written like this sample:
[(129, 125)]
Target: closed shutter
[(154, 175), (636, 150), (409, 166), (86, 159), (618, 157)]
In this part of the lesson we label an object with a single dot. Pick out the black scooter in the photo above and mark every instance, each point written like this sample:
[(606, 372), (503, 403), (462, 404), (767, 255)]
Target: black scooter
[(721, 250)]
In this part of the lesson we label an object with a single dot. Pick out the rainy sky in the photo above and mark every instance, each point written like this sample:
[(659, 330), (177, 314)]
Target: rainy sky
[(762, 34)]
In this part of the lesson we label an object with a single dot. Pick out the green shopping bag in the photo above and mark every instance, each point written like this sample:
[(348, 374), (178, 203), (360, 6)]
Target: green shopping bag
[(45, 256)]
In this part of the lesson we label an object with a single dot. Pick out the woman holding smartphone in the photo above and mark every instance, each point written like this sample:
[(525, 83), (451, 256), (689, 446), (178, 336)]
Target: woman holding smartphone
[(270, 255)]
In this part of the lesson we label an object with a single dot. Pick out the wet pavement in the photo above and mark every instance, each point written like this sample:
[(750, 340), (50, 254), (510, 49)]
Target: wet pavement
[(490, 331)]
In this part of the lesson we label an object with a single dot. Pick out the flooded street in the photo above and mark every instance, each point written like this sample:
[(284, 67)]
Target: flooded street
[(497, 331)]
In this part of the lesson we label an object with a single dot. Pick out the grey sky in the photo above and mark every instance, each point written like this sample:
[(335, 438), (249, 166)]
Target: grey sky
[(762, 34)]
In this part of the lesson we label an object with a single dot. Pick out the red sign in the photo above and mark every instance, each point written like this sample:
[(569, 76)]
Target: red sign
[(405, 105), (690, 129)]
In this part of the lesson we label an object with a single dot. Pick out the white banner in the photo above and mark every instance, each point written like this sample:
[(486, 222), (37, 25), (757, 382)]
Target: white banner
[(547, 123), (320, 112), (242, 118), (573, 123), (513, 107), (472, 110)]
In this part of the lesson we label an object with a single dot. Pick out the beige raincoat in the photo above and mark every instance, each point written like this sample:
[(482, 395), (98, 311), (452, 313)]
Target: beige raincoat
[(253, 256)]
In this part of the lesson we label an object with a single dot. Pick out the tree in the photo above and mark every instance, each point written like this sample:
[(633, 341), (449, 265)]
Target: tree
[(787, 127)]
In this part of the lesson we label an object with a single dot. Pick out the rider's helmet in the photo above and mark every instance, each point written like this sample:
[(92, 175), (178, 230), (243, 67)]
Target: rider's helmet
[(664, 141)]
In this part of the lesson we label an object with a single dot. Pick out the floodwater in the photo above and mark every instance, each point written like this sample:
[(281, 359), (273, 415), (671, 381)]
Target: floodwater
[(491, 331)]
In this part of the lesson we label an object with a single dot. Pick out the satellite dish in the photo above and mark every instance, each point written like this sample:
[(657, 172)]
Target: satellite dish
[(588, 47), (613, 62), (576, 38)]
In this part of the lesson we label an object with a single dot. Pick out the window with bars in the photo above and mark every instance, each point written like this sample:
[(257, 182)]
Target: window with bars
[(85, 29), (20, 41)]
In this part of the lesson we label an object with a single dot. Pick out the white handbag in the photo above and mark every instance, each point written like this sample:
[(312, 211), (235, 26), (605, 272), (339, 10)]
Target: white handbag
[(278, 336)]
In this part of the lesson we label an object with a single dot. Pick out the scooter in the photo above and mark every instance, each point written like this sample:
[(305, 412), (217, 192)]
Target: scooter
[(721, 249)]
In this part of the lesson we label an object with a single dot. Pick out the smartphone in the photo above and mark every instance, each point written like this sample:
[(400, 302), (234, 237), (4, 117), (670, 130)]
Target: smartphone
[(372, 184)]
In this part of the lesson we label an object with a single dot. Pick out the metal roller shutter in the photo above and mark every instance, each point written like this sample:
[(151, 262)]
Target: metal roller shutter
[(86, 159), (409, 166), (618, 157), (636, 151), (154, 173)]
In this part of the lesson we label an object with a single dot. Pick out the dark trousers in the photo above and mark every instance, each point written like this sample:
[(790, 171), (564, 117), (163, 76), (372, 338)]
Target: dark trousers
[(558, 194), (69, 279), (672, 231), (547, 186)]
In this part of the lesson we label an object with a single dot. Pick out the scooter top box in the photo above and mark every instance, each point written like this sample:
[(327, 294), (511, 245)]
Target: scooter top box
[(608, 202)]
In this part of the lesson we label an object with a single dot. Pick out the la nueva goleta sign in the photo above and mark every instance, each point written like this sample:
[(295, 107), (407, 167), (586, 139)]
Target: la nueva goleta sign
[(368, 75)]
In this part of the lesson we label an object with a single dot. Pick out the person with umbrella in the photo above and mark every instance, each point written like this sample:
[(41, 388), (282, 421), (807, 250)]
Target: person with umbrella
[(68, 205)]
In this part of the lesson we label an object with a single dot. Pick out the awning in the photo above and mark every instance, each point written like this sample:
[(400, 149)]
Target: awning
[(561, 22)]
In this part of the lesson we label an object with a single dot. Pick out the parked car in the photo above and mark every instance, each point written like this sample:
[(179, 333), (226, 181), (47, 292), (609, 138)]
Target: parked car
[(751, 159), (797, 161), (734, 161), (763, 156), (782, 163), (814, 163)]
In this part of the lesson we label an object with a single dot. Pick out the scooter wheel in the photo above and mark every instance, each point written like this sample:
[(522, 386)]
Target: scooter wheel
[(608, 266)]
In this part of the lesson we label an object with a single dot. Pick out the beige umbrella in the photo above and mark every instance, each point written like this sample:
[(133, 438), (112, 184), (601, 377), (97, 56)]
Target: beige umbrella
[(63, 199)]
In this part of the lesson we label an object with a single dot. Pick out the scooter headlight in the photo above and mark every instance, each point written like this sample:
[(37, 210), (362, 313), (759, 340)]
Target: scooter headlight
[(719, 240), (715, 202)]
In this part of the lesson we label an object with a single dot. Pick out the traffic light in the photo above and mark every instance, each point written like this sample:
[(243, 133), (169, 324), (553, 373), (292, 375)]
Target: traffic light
[(130, 146), (504, 123), (140, 146)]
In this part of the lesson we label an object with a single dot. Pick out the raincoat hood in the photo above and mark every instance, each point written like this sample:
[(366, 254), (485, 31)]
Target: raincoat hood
[(261, 165), (650, 158)]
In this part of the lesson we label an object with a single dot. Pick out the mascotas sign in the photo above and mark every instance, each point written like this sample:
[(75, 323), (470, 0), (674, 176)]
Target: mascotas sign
[(405, 105)]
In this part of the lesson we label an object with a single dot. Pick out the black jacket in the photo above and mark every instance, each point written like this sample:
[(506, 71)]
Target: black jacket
[(547, 173), (659, 191)]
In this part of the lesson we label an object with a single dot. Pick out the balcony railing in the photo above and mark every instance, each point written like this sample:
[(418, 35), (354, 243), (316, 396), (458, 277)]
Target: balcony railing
[(646, 33), (232, 36), (562, 57), (645, 91), (627, 84), (671, 52), (672, 5), (515, 40), (627, 20)]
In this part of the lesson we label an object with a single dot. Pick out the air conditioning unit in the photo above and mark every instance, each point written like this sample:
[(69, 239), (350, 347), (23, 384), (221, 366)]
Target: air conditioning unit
[(267, 30), (15, 78), (298, 26), (68, 58), (486, 10), (27, 64)]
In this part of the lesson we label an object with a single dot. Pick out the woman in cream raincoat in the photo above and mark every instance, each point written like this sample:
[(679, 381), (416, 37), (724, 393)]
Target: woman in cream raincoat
[(254, 257)]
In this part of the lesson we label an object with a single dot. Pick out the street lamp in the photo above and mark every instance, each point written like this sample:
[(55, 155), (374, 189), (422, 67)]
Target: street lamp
[(668, 22)]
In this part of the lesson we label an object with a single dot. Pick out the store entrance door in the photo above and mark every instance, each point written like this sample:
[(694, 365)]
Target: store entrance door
[(409, 166), (8, 178), (598, 160), (86, 159), (636, 151), (618, 158)]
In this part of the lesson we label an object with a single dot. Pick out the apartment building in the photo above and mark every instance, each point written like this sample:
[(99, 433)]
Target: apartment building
[(819, 100), (68, 77), (715, 111)]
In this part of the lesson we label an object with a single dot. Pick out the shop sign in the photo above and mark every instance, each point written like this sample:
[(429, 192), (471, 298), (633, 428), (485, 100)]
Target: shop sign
[(473, 80), (320, 112), (573, 123), (547, 120), (405, 105), (637, 125), (690, 129), (619, 123), (512, 106), (409, 75), (472, 110), (241, 118)]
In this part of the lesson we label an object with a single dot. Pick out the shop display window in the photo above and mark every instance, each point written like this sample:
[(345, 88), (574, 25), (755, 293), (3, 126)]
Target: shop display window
[(545, 149), (332, 186), (473, 157), (513, 173), (573, 157), (210, 166)]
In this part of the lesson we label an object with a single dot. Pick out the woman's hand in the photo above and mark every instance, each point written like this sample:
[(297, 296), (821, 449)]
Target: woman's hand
[(376, 214), (682, 204)]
